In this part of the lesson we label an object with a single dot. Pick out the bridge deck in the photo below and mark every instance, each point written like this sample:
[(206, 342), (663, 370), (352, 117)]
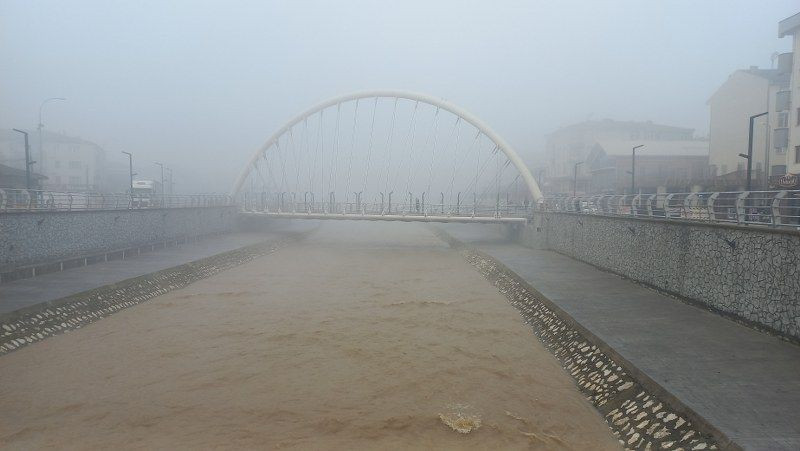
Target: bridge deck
[(742, 381), (401, 218)]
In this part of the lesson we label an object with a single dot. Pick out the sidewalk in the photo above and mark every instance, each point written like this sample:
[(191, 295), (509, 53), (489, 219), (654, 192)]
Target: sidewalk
[(744, 382), (47, 287)]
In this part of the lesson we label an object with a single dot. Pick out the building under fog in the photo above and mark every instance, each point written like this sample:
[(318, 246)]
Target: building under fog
[(66, 163), (662, 166), (746, 93), (791, 27), (601, 152)]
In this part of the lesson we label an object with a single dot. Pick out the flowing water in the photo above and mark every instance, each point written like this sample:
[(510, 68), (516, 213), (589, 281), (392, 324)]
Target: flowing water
[(362, 336)]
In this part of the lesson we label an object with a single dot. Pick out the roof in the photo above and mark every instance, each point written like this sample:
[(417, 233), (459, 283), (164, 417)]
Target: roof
[(8, 135), (8, 171), (773, 75), (789, 25), (692, 148), (610, 124)]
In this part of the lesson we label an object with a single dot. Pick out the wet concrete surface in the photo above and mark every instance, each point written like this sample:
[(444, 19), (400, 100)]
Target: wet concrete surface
[(744, 382)]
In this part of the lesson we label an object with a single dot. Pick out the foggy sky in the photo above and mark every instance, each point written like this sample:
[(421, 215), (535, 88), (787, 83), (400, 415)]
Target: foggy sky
[(200, 85)]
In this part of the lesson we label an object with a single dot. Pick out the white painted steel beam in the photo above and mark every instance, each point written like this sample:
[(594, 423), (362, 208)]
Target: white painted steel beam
[(501, 143)]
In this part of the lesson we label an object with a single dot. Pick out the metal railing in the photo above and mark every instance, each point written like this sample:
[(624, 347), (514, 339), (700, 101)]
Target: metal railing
[(292, 203), (19, 200), (766, 208)]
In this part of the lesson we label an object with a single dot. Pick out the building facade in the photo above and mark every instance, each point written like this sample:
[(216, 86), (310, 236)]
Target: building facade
[(69, 164), (660, 167), (791, 27), (744, 94), (568, 149)]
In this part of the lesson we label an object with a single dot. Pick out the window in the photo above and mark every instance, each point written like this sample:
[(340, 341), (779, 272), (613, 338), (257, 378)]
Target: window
[(75, 165), (780, 139), (74, 180), (798, 117), (740, 166), (724, 169), (783, 119), (782, 100), (779, 169), (797, 154), (56, 164)]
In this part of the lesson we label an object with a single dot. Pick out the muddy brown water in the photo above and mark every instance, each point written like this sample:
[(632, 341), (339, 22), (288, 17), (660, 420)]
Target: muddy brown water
[(360, 337)]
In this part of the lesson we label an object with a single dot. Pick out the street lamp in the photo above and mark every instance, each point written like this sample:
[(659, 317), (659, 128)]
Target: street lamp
[(169, 177), (28, 162), (41, 124), (575, 179), (130, 168), (162, 175), (749, 156), (633, 167)]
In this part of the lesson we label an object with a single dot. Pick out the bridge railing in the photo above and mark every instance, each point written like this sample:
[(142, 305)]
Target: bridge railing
[(256, 202), (764, 208), (21, 200)]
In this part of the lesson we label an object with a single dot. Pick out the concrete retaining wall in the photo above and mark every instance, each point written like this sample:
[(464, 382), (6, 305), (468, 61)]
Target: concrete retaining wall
[(752, 273), (37, 237)]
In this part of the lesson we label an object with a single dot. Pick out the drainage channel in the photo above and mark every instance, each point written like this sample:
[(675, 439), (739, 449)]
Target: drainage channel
[(640, 413), (31, 324)]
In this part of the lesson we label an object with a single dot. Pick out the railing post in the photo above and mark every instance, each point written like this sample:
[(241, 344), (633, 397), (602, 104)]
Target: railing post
[(741, 213), (442, 204), (390, 201), (776, 208), (712, 214)]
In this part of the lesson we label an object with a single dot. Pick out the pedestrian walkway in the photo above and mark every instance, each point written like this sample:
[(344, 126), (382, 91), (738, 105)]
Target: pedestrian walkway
[(47, 287), (745, 383)]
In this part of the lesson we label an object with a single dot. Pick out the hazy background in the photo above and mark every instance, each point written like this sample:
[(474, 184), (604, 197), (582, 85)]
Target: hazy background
[(200, 85)]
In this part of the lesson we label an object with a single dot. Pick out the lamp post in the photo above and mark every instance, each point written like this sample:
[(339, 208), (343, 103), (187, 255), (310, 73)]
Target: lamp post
[(749, 156), (130, 169), (169, 180), (40, 126), (633, 167), (575, 179), (162, 181), (28, 162)]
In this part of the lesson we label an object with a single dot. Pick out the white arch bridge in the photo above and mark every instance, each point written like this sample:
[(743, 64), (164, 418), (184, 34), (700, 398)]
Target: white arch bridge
[(387, 155)]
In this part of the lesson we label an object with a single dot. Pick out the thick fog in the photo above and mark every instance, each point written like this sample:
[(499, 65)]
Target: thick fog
[(200, 86)]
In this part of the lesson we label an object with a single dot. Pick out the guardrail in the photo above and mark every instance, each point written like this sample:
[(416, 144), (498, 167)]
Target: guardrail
[(766, 208), (20, 200)]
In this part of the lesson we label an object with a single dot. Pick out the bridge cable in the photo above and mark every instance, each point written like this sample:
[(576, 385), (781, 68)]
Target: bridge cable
[(461, 163), (433, 136), (369, 147), (410, 141), (389, 147), (350, 159), (335, 159)]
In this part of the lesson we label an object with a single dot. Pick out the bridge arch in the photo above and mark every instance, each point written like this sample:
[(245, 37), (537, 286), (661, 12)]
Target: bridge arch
[(465, 115)]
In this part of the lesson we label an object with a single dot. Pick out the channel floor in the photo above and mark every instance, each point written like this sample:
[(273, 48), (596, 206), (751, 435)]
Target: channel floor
[(744, 382)]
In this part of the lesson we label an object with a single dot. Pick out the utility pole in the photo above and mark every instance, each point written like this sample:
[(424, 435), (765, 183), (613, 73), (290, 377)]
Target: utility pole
[(749, 156), (41, 124), (130, 169), (28, 162), (575, 179), (162, 183), (633, 168), (169, 180)]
